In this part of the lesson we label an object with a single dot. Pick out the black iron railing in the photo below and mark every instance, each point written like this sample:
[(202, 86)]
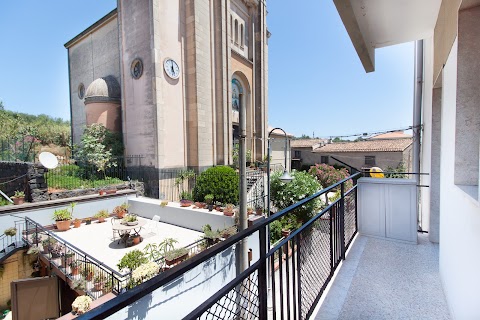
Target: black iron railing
[(9, 242), (286, 281)]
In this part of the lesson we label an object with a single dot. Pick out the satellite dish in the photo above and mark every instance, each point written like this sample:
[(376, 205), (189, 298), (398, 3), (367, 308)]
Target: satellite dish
[(376, 172), (48, 160)]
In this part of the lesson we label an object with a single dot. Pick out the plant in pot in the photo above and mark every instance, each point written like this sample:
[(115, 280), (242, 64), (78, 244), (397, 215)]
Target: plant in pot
[(186, 199), (130, 220), (228, 232), (18, 197), (163, 203), (88, 221), (99, 281), (132, 260), (77, 223), (136, 238), (63, 217), (48, 244), (87, 271), (228, 211), (175, 256), (107, 286), (74, 265), (121, 210), (68, 258), (101, 215), (145, 272), (211, 236), (35, 237), (209, 201), (249, 210), (258, 211)]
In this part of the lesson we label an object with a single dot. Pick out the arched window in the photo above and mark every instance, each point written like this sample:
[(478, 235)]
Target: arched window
[(241, 36), (231, 28), (236, 31), (236, 91)]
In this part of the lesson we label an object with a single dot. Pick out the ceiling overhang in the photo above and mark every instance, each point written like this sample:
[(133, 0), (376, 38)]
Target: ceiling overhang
[(375, 24)]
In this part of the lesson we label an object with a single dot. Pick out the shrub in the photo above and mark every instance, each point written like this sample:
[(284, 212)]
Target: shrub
[(222, 182), (132, 260), (302, 186), (328, 175), (102, 214)]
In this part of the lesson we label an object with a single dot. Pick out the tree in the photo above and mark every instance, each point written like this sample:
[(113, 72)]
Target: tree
[(97, 147), (327, 175)]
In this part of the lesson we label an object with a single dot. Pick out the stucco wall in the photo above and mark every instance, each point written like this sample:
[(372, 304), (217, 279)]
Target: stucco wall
[(308, 157), (357, 160), (278, 151), (17, 266), (96, 55), (460, 213)]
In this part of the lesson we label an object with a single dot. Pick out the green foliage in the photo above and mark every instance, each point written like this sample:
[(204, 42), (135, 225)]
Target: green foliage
[(74, 177), (23, 133), (155, 251), (4, 202), (222, 182), (397, 172), (184, 176), (302, 186), (132, 260), (328, 175), (236, 155), (99, 146), (175, 253), (10, 231), (101, 214), (19, 194), (62, 215), (209, 198)]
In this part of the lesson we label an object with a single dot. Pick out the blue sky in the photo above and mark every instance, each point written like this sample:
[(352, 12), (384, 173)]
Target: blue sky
[(316, 81)]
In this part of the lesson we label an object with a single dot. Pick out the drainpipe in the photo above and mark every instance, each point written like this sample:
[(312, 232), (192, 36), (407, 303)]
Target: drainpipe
[(417, 114)]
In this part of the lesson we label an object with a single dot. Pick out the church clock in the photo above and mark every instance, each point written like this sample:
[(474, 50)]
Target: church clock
[(171, 68)]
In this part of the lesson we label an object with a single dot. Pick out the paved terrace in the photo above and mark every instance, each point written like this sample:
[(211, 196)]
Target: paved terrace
[(96, 239), (383, 279)]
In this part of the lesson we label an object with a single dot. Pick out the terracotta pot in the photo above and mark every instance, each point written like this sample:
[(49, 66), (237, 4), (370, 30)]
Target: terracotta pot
[(185, 203), (136, 240), (249, 212), (176, 260), (285, 233), (63, 225), (18, 200), (77, 223), (100, 220), (98, 286), (121, 214), (227, 213), (111, 191), (89, 276), (74, 271), (101, 192), (259, 212)]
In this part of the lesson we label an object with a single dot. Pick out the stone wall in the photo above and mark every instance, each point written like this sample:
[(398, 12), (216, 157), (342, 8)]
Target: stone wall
[(24, 176)]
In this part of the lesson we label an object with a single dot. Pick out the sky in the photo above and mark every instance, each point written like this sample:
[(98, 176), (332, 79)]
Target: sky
[(317, 84)]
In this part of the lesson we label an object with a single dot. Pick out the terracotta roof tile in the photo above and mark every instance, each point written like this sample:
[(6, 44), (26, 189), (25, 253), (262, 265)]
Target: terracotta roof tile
[(305, 143), (377, 145)]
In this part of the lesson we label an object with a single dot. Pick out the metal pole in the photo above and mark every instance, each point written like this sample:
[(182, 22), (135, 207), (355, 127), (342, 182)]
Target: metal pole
[(417, 120)]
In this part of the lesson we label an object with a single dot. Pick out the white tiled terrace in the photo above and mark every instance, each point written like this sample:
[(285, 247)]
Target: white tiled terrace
[(96, 239), (382, 279)]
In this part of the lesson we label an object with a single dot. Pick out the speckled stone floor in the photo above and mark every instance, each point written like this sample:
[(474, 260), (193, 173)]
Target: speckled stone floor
[(387, 280)]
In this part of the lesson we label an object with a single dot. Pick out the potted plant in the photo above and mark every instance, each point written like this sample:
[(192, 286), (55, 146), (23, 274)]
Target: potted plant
[(107, 286), (121, 210), (228, 211), (88, 221), (130, 219), (68, 258), (87, 271), (81, 304), (48, 244), (258, 211), (163, 203), (101, 215), (11, 232), (77, 223), (132, 260), (175, 256), (74, 265), (249, 210), (136, 238), (18, 197), (185, 203), (228, 232), (209, 201), (99, 281), (101, 192), (63, 217), (211, 236)]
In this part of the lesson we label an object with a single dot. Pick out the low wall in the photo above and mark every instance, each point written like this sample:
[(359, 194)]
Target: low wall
[(172, 213), (24, 176)]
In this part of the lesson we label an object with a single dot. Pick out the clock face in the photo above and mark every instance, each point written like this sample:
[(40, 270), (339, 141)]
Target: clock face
[(171, 68)]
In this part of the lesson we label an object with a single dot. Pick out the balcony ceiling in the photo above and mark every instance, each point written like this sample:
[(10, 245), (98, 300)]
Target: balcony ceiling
[(379, 23)]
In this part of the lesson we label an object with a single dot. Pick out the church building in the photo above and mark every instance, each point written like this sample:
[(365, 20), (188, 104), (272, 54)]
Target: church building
[(171, 75)]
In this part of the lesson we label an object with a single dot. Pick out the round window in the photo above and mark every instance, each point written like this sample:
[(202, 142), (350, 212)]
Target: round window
[(137, 68), (81, 90)]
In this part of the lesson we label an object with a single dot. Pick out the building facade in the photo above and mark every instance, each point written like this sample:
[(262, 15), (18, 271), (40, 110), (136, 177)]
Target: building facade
[(172, 76)]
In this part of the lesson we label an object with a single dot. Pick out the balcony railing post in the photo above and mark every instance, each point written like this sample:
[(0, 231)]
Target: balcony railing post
[(262, 275), (342, 221)]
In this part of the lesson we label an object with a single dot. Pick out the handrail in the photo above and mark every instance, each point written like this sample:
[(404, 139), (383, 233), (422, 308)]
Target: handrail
[(164, 278), (101, 264)]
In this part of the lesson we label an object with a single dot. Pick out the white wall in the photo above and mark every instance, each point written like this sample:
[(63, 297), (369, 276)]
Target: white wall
[(460, 215)]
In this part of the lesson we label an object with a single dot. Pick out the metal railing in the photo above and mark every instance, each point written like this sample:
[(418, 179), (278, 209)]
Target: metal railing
[(83, 271), (307, 260), (10, 243)]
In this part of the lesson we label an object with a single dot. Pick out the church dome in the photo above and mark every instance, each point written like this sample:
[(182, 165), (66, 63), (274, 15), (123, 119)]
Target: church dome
[(105, 89)]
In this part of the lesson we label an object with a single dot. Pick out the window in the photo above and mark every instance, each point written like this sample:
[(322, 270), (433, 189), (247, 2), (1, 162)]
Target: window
[(324, 159), (236, 90), (298, 154), (231, 28), (236, 31), (241, 36), (370, 161)]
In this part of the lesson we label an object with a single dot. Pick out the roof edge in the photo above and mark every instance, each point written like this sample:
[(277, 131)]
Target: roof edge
[(105, 19), (364, 51)]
